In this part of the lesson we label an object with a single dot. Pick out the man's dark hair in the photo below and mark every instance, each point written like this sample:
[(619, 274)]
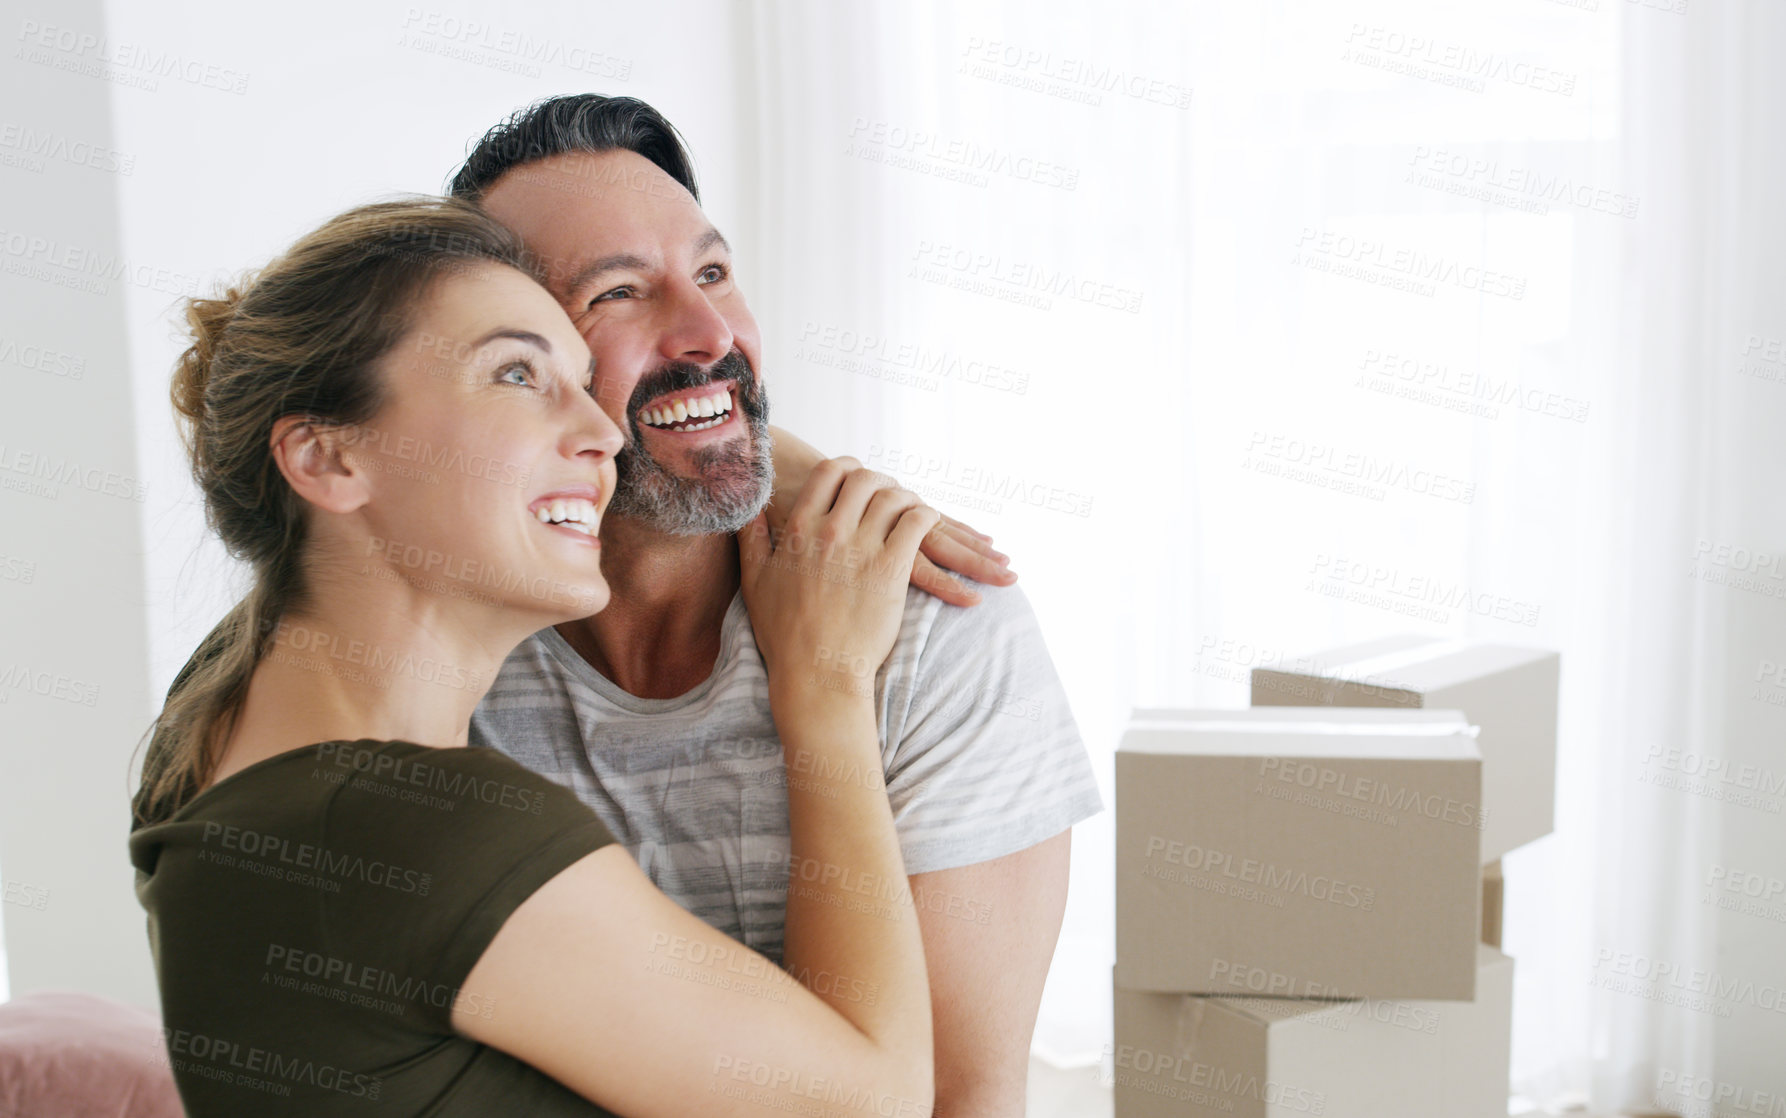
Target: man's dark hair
[(576, 122)]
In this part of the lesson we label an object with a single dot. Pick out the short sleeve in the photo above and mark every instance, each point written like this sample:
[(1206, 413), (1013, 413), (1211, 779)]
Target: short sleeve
[(429, 852), (982, 754)]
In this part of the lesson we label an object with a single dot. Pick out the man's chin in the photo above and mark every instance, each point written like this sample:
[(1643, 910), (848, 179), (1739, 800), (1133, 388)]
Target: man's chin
[(678, 506), (685, 488)]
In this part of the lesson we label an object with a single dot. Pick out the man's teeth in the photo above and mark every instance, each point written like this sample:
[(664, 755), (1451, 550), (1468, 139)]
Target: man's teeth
[(571, 512), (717, 406)]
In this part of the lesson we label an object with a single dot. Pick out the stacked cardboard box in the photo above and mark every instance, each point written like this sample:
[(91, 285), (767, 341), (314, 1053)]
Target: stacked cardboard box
[(1178, 1055), (1336, 847), (1511, 693), (1308, 894)]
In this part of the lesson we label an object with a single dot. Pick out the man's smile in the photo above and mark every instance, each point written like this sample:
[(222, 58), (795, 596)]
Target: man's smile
[(701, 408)]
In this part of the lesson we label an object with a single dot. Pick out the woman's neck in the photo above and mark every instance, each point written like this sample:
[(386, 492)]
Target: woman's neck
[(387, 663)]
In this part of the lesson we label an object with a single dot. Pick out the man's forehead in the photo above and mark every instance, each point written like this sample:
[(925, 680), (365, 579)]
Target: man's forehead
[(577, 208), (586, 187)]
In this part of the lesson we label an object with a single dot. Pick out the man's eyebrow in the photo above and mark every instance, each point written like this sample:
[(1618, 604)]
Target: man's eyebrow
[(528, 336), (628, 261), (601, 265), (710, 238)]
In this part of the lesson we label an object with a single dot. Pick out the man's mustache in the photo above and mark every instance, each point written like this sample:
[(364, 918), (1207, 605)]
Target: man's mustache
[(678, 376)]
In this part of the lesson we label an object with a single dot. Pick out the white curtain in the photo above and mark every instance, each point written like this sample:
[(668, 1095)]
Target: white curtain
[(1521, 261)]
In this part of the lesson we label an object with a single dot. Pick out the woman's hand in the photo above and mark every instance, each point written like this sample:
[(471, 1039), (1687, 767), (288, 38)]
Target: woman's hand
[(949, 547), (827, 592)]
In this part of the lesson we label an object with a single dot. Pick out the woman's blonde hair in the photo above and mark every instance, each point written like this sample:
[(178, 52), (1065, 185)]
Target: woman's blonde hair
[(302, 337)]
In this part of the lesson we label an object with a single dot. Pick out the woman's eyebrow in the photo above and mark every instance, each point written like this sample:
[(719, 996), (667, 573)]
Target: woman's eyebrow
[(536, 340)]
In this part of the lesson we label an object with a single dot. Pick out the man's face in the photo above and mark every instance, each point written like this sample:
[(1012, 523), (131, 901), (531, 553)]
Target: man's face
[(648, 282)]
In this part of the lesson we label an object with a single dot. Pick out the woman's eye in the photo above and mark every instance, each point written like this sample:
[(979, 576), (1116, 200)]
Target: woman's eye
[(517, 373)]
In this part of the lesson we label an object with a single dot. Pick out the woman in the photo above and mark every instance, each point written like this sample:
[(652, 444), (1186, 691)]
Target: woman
[(351, 912)]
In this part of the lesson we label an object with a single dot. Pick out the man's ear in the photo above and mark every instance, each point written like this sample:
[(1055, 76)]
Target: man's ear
[(314, 466)]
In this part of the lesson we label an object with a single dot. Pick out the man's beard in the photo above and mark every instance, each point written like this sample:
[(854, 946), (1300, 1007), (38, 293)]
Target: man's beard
[(732, 482)]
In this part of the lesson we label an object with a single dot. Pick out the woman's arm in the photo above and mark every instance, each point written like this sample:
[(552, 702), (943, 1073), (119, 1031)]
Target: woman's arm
[(950, 546), (603, 983)]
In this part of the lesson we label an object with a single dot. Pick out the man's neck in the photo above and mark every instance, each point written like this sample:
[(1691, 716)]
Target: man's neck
[(659, 636)]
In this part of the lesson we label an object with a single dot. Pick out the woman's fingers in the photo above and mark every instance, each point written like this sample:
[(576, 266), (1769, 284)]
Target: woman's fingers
[(956, 525), (860, 486), (947, 549), (940, 584), (884, 509), (914, 524), (819, 493), (972, 540)]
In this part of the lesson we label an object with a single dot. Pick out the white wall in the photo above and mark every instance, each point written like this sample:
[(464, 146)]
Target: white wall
[(73, 636)]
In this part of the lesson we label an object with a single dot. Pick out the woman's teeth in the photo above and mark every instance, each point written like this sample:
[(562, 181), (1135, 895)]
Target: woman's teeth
[(678, 415), (570, 512)]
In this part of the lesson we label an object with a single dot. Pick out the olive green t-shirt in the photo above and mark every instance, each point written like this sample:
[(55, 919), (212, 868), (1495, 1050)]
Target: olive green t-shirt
[(313, 916)]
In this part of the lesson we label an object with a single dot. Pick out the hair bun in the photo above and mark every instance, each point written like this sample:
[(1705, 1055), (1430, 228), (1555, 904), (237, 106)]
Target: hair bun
[(206, 322)]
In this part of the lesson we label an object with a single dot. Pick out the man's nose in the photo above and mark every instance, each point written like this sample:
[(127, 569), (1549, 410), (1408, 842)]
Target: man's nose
[(693, 329)]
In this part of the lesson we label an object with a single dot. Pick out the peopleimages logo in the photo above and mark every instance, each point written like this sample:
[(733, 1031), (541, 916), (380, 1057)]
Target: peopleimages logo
[(1027, 283), (861, 351), (951, 475), (1307, 774), (1701, 1096), (1412, 593), (1706, 991), (45, 470), (458, 787), (241, 1065), (39, 146), (369, 987), (326, 652), (277, 856), (1165, 1070), (1251, 871), (1069, 77), (1374, 261), (127, 63)]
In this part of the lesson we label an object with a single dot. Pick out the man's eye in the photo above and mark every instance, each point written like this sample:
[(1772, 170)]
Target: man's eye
[(714, 273), (609, 296)]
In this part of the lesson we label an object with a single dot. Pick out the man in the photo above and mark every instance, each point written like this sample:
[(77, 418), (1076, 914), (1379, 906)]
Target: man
[(656, 711)]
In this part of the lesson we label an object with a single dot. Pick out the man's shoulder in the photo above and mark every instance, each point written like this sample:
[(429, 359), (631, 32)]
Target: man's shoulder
[(1003, 615)]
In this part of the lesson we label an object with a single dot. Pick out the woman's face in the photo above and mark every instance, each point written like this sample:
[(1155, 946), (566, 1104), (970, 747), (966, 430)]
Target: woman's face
[(489, 463)]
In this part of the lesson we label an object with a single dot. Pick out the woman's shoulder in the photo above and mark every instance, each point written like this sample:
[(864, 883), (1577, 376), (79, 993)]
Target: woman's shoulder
[(368, 839), (398, 790)]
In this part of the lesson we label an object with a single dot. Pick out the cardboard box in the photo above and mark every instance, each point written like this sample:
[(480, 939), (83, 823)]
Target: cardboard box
[(1339, 847), (1494, 891), (1178, 1056), (1511, 693)]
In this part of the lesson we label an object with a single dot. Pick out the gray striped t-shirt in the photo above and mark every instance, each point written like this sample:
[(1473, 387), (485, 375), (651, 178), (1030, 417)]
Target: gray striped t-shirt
[(981, 754)]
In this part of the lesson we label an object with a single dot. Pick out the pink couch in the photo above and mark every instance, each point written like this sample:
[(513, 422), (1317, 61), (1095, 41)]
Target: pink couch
[(79, 1056)]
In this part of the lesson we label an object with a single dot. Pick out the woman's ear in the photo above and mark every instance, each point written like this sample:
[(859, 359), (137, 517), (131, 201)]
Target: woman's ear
[(314, 466)]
